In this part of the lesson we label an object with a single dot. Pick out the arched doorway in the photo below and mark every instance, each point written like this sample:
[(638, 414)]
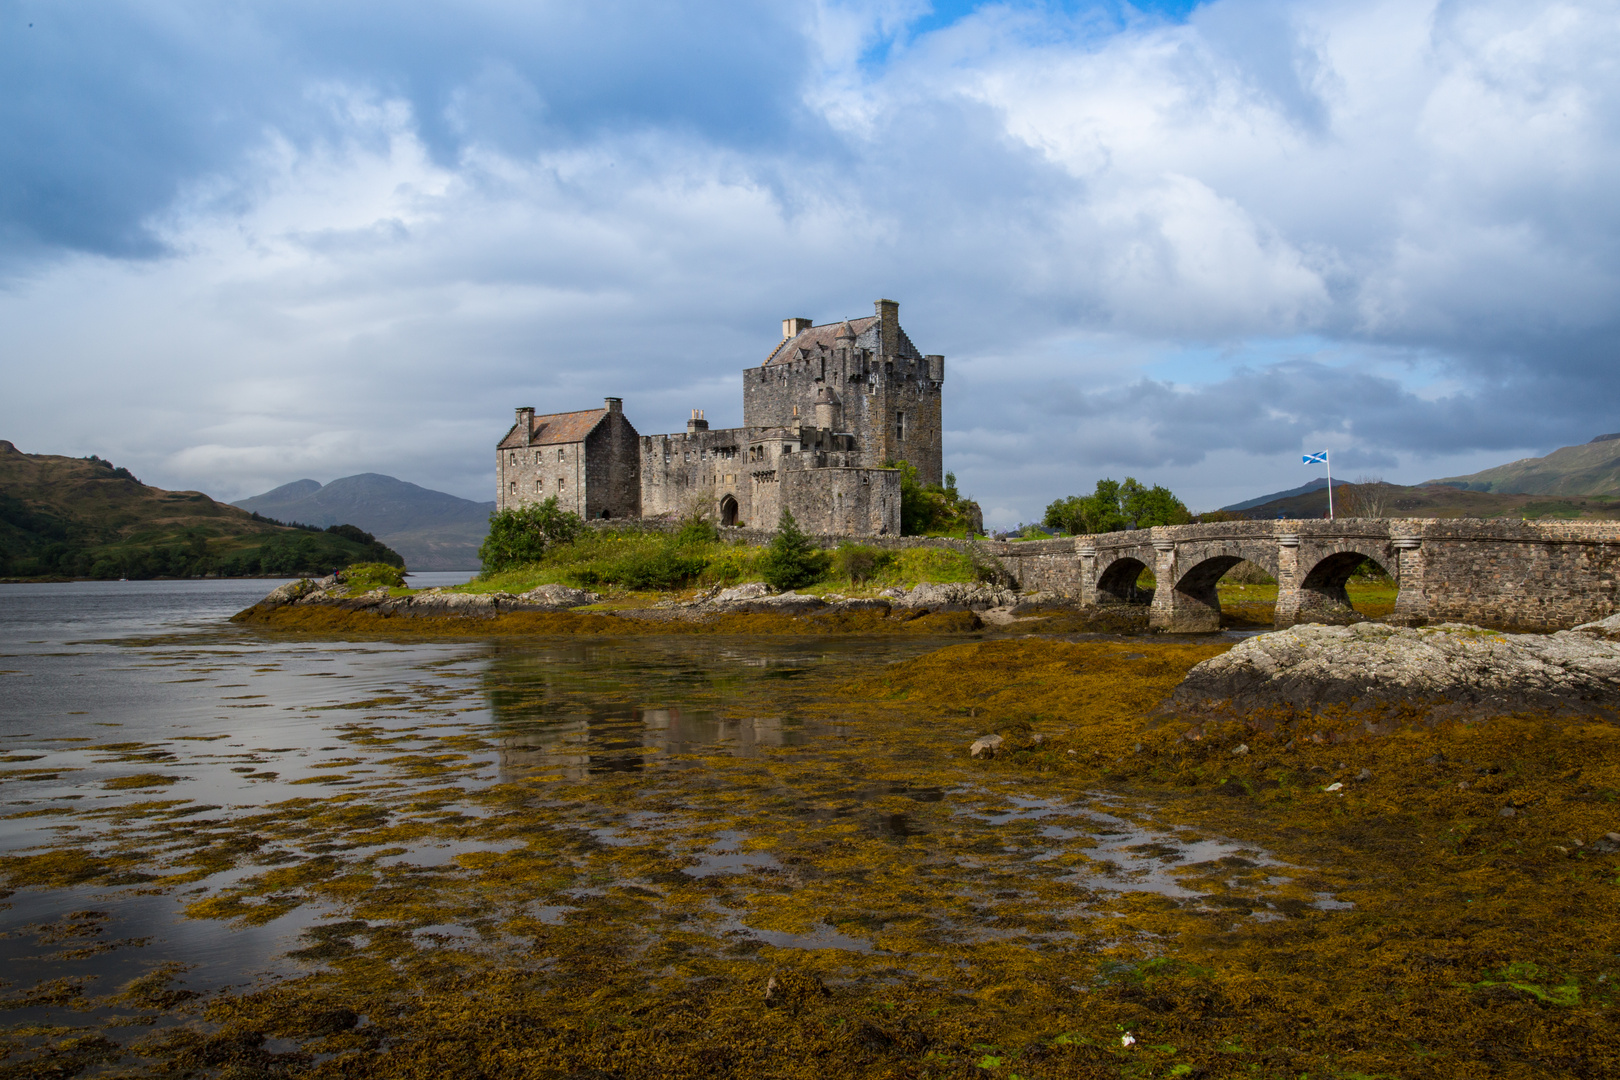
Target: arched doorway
[(728, 512)]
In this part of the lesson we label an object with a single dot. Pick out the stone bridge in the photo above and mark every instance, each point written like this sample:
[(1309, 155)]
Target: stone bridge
[(1521, 575)]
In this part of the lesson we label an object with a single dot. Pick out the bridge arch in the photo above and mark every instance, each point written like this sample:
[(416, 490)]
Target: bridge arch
[(1324, 573), (1116, 583)]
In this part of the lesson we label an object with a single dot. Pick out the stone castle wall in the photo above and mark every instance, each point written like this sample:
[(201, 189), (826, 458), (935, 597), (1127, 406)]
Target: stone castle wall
[(612, 469)]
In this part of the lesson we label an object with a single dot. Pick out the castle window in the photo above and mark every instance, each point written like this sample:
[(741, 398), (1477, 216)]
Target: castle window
[(900, 425), (537, 457), (559, 453), (561, 483), (511, 457), (514, 487)]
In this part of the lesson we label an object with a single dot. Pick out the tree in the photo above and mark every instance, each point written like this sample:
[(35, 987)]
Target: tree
[(1114, 506), (929, 509), (523, 535), (791, 560)]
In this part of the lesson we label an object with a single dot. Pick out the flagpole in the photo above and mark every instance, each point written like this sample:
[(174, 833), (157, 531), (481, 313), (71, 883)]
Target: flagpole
[(1327, 459)]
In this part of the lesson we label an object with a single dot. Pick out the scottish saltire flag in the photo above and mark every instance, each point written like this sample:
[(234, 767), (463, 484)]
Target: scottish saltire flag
[(1320, 458)]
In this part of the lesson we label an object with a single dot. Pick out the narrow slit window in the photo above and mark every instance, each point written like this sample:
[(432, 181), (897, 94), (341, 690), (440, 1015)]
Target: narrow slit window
[(900, 426)]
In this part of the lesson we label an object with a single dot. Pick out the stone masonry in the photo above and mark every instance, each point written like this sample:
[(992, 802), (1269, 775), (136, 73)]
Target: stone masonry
[(832, 406), (1513, 575)]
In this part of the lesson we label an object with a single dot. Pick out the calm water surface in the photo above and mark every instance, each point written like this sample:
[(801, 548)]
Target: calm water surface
[(110, 683)]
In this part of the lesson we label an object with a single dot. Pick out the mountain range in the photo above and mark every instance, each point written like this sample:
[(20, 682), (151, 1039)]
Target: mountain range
[(1591, 468), (433, 530)]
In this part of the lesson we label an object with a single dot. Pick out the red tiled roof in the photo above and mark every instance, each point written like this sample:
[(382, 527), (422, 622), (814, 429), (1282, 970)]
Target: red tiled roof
[(554, 429)]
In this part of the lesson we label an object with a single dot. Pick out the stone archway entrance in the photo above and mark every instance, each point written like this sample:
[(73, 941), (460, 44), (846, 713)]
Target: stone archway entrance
[(728, 512)]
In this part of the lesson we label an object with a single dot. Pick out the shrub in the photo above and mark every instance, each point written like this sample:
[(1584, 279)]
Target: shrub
[(932, 509), (860, 563), (365, 576), (665, 567), (791, 560), (525, 534)]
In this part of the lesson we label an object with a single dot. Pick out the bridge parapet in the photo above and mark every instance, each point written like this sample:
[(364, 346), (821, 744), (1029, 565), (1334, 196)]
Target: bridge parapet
[(1527, 575)]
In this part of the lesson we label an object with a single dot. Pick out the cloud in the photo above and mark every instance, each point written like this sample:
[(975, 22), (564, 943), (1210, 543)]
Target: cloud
[(272, 237)]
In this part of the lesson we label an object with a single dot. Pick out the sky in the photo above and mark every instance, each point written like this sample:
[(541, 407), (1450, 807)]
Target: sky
[(243, 244)]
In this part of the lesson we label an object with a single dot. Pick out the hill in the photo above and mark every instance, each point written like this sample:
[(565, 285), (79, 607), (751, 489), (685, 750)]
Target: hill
[(1592, 468), (84, 517), (1437, 501), (1304, 489), (431, 529)]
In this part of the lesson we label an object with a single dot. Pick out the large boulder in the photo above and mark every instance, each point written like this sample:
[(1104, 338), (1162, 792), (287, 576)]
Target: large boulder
[(955, 596), (558, 597), (1449, 668)]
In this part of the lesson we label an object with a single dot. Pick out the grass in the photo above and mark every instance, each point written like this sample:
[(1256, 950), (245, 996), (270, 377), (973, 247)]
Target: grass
[(604, 555)]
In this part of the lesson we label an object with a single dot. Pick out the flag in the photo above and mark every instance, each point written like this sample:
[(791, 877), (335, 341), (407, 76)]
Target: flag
[(1316, 459)]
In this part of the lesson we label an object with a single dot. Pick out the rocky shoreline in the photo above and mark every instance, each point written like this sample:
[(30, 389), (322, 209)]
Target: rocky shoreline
[(985, 604)]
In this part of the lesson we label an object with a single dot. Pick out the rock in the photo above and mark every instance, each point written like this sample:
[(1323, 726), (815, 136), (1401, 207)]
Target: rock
[(1364, 775), (1462, 785), (751, 591), (1506, 811), (986, 746), (1240, 749), (290, 593), (1453, 667), (1608, 845), (955, 597), (559, 596), (1608, 629), (880, 607), (1333, 787), (893, 592)]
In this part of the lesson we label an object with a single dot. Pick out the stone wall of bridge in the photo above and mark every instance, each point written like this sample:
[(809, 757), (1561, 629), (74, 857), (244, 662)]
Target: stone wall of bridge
[(1523, 575)]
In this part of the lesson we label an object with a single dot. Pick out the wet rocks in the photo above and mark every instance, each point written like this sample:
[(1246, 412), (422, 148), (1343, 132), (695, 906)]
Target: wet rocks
[(1607, 629), (986, 746), (1452, 668), (290, 593)]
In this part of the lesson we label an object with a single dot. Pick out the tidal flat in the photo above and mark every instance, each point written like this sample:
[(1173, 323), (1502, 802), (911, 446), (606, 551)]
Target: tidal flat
[(241, 852)]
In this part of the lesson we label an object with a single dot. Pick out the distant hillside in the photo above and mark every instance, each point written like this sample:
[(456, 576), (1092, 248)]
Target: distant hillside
[(432, 530), (1591, 468), (84, 517), (1319, 484), (1438, 501)]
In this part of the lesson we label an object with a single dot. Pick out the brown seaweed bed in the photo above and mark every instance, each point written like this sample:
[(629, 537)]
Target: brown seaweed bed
[(706, 857)]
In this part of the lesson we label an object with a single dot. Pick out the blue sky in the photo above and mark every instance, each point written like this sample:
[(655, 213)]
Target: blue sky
[(244, 244)]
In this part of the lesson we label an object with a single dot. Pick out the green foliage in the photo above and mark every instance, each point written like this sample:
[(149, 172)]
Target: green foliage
[(1115, 506), (933, 509), (791, 560), (362, 577), (525, 534), (860, 563)]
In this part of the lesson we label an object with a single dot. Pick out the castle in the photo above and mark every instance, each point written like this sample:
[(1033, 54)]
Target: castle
[(830, 407)]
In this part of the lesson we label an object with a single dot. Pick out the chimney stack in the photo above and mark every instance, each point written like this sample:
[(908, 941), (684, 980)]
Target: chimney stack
[(525, 423), (792, 328), (888, 313), (614, 404), (697, 423)]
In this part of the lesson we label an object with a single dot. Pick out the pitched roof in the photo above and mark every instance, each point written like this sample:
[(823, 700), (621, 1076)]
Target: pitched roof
[(554, 429), (813, 341), (825, 337)]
